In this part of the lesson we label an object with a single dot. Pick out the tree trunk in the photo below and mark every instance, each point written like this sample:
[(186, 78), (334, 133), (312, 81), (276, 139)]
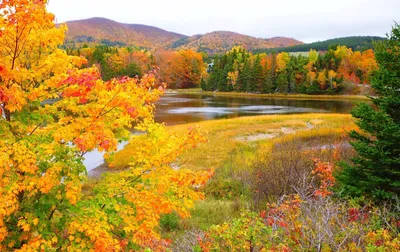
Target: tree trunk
[(7, 114)]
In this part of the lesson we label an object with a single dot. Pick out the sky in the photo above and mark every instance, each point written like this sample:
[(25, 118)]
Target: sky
[(305, 20)]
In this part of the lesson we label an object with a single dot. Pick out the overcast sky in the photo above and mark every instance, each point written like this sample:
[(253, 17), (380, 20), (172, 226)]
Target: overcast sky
[(305, 20)]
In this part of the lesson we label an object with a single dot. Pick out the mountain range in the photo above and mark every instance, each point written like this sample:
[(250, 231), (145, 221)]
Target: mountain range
[(102, 30)]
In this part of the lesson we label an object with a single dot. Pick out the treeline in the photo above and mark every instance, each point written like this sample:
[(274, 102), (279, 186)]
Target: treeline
[(242, 71), (178, 69), (356, 43)]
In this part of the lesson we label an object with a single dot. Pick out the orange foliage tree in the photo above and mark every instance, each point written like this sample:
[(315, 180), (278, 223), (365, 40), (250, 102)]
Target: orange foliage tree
[(182, 69), (355, 66), (52, 113), (188, 68)]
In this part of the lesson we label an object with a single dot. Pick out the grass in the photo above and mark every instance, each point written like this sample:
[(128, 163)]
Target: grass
[(205, 214), (277, 96), (211, 212), (233, 158), (223, 136)]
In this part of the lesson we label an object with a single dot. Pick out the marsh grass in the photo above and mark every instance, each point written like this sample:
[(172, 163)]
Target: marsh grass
[(280, 162), (222, 136)]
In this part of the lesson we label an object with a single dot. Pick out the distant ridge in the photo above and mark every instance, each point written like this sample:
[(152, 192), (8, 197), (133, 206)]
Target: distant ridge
[(221, 41), (102, 30), (106, 31), (354, 42)]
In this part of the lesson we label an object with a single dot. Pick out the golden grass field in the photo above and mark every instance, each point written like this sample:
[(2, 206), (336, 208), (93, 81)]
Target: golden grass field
[(232, 147), (227, 135)]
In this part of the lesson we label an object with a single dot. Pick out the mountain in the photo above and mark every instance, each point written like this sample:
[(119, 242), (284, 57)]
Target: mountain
[(105, 31), (355, 42), (221, 41), (102, 30)]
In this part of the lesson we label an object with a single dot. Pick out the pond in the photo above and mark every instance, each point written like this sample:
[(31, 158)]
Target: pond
[(177, 108), (185, 108)]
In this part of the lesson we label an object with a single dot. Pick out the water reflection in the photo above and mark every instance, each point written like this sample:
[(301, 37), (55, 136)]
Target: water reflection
[(184, 108)]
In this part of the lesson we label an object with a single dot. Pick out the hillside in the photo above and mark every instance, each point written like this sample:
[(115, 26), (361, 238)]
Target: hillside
[(101, 30), (105, 31), (221, 41), (355, 42)]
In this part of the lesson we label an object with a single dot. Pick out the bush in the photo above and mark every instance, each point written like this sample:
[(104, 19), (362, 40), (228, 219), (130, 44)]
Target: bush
[(288, 164), (170, 221), (311, 220)]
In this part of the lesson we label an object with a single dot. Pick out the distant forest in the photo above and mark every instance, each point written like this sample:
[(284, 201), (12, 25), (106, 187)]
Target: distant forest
[(318, 73), (356, 43)]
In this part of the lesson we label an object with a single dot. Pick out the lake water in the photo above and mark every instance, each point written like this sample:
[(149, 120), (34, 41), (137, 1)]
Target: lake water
[(184, 108), (175, 108)]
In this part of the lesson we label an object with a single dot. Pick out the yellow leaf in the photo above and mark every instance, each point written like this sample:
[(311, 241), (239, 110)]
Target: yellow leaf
[(26, 227)]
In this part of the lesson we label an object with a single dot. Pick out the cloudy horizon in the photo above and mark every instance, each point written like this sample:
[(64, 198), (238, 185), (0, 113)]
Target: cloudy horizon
[(307, 20)]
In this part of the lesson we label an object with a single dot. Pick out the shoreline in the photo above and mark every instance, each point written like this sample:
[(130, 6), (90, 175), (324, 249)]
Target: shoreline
[(271, 96)]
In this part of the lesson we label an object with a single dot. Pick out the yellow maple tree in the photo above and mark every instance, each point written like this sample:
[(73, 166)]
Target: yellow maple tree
[(53, 112)]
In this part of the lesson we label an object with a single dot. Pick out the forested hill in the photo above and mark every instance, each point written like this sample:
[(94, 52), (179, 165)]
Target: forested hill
[(109, 32), (222, 41), (355, 42)]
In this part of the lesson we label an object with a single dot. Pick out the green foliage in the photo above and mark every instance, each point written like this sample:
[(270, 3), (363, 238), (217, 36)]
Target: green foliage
[(244, 80), (282, 82), (212, 212), (203, 84), (169, 221), (375, 171), (257, 75), (246, 233)]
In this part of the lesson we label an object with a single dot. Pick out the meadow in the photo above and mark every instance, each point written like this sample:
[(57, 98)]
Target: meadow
[(282, 146)]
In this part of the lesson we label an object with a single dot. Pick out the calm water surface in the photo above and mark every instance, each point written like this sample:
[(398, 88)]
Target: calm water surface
[(176, 108), (184, 108)]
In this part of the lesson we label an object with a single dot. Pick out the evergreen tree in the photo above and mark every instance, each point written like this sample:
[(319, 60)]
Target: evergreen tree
[(223, 76), (282, 82), (244, 77), (212, 83), (295, 65), (257, 77), (375, 171)]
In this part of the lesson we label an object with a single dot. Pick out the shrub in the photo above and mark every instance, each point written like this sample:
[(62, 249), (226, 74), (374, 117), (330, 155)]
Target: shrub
[(309, 221), (169, 221), (288, 164)]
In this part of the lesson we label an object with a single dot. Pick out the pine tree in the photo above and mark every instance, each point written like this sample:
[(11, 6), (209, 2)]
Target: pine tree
[(212, 82), (223, 77), (257, 77), (245, 77), (375, 171), (282, 82)]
